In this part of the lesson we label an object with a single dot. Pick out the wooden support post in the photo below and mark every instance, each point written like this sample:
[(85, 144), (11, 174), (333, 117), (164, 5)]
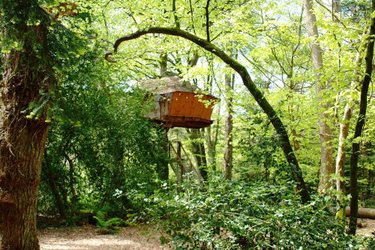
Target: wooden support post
[(179, 160), (163, 168)]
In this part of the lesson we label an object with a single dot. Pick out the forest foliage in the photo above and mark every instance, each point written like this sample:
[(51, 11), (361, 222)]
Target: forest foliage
[(104, 160)]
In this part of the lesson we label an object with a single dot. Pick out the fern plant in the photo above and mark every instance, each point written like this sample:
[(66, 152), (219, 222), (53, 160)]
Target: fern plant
[(107, 226)]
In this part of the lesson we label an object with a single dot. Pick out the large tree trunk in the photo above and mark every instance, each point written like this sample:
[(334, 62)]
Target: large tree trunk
[(327, 168), (228, 139), (20, 163), (359, 127), (27, 73)]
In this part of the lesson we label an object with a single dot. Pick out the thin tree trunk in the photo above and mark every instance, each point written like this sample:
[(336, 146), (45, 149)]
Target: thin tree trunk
[(73, 192), (26, 73), (343, 134), (336, 8), (327, 168), (199, 152), (163, 65), (344, 125), (228, 139), (340, 159), (295, 140), (359, 127), (162, 167), (51, 180), (210, 139), (181, 171), (211, 144)]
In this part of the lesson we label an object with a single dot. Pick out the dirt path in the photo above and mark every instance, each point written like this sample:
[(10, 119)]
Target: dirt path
[(84, 238), (141, 237), (366, 227)]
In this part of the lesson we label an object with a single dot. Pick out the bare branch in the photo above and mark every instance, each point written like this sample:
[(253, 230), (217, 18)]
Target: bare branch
[(332, 13), (207, 9), (174, 9), (192, 15)]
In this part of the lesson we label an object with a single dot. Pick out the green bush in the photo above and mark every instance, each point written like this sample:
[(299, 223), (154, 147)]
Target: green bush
[(236, 215), (107, 225)]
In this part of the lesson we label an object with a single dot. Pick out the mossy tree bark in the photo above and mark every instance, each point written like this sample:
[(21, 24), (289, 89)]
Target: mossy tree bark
[(228, 147), (27, 72)]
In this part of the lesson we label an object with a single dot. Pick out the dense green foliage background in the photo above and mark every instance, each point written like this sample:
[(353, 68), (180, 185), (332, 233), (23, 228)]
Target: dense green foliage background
[(104, 159)]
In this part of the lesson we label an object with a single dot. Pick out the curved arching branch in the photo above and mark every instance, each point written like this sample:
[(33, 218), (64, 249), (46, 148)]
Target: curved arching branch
[(107, 57), (250, 85)]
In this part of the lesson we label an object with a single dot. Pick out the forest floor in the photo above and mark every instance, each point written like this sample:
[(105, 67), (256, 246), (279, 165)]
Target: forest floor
[(141, 237), (366, 227)]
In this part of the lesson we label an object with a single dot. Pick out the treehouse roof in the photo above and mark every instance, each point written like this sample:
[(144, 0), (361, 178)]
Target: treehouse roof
[(168, 85)]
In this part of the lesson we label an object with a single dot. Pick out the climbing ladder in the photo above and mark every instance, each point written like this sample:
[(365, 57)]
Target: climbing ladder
[(183, 165)]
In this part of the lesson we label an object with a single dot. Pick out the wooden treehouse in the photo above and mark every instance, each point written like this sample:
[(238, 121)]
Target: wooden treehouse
[(178, 103)]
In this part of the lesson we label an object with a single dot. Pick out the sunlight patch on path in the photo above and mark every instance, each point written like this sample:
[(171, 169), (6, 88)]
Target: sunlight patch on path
[(86, 238), (83, 244)]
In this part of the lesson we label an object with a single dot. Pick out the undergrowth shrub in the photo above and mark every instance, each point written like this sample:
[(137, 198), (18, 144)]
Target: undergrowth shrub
[(107, 225), (237, 215)]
